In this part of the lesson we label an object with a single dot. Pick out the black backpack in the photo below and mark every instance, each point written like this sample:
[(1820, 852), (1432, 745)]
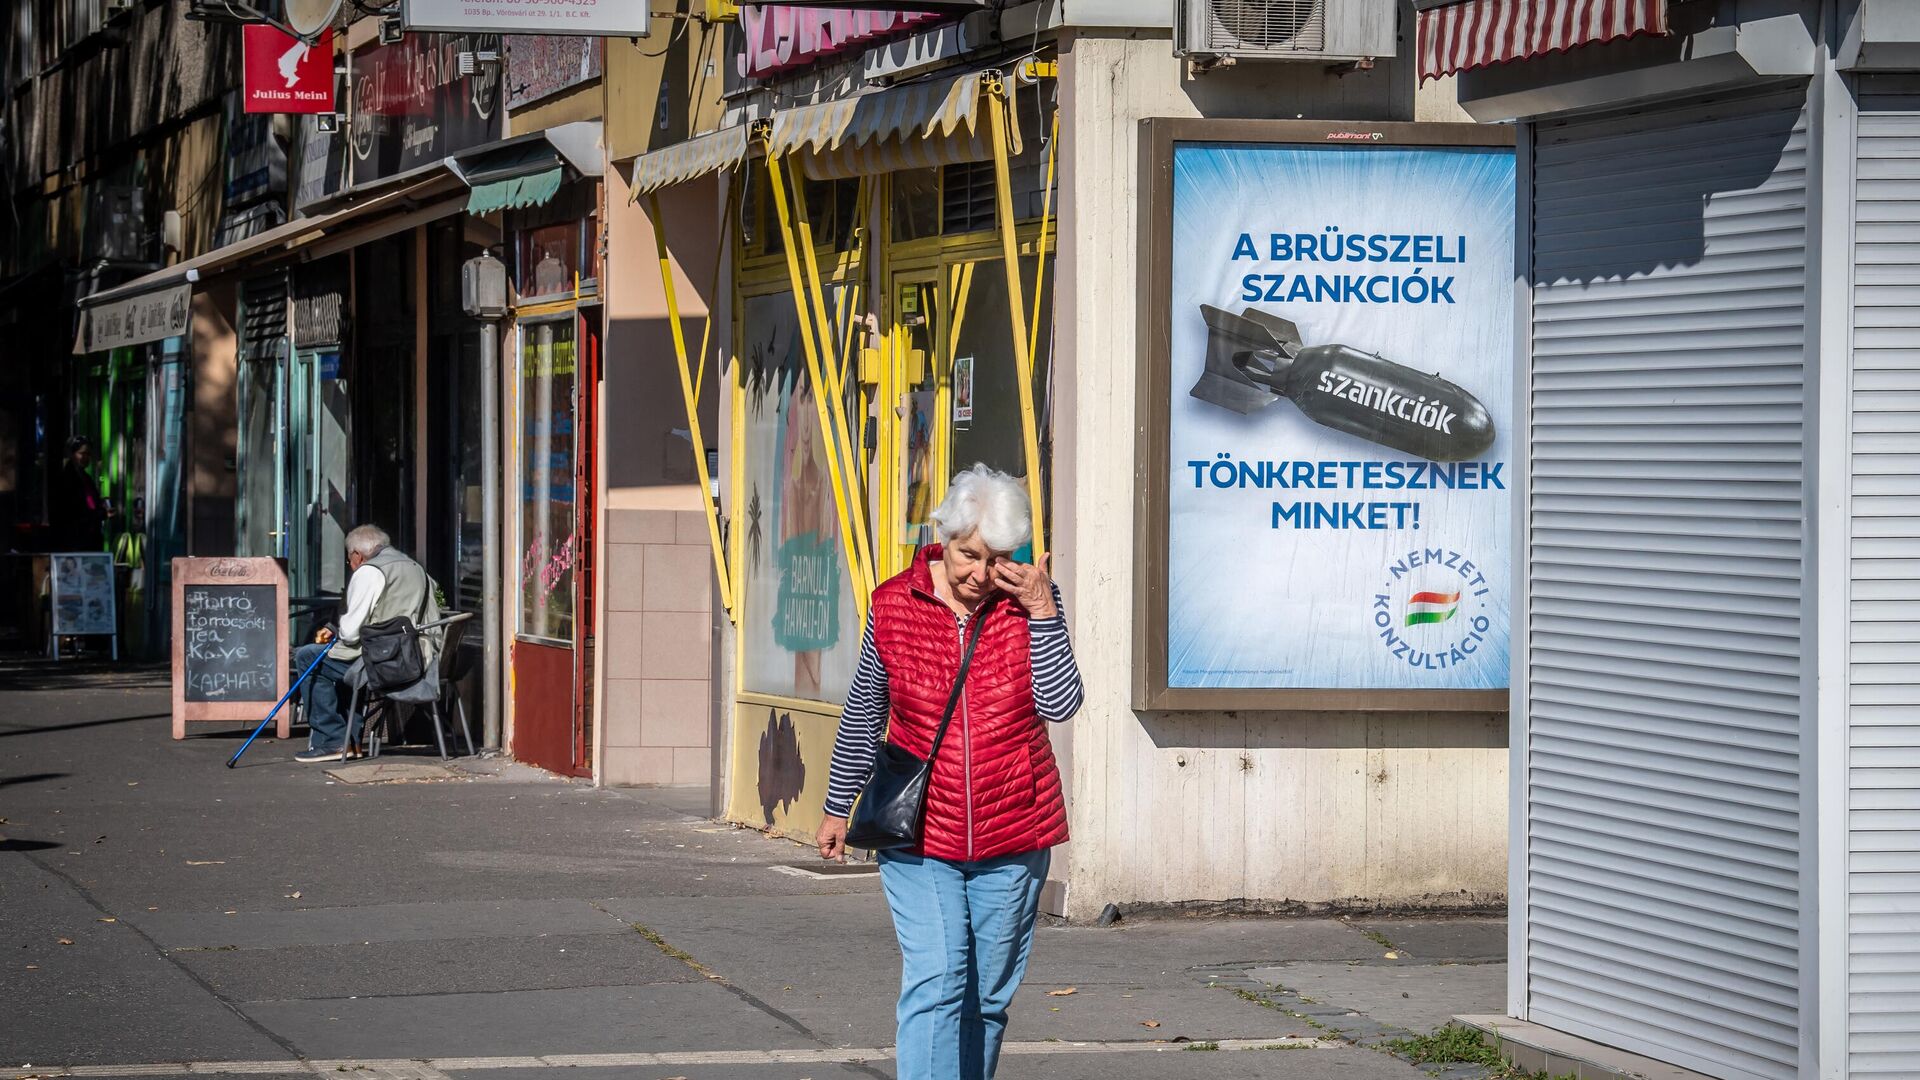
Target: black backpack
[(390, 653)]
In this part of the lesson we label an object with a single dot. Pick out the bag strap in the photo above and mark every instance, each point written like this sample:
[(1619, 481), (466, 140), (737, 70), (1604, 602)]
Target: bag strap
[(959, 683)]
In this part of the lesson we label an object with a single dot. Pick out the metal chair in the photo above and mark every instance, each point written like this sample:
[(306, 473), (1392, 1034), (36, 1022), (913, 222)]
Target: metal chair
[(430, 692)]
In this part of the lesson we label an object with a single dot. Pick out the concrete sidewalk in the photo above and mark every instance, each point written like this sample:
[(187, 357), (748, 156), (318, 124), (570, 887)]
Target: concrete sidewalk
[(162, 913)]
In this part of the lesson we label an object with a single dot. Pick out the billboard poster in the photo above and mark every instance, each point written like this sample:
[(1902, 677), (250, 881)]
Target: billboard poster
[(801, 633), (1339, 416), (82, 593)]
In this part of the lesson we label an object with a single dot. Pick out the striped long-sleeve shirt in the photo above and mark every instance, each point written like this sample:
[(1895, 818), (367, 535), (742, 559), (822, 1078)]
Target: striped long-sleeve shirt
[(1057, 694)]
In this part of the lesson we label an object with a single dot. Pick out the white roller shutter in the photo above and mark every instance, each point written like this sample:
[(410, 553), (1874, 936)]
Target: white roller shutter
[(1663, 681), (1883, 716)]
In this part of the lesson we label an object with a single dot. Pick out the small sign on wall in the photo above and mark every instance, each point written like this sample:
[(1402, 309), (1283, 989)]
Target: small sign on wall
[(285, 74)]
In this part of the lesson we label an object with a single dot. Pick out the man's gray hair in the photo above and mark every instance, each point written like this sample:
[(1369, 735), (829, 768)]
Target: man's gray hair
[(367, 541), (989, 502)]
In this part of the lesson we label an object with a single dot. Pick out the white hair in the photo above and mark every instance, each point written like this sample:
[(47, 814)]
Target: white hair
[(989, 502), (367, 541)]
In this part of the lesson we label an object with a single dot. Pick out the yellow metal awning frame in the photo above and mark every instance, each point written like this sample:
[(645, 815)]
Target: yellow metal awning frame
[(724, 568), (904, 127)]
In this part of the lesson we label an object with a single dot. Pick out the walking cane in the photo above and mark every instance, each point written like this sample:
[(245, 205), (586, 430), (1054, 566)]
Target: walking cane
[(276, 709)]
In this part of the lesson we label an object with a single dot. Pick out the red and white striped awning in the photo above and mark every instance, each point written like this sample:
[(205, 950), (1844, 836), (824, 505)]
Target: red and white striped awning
[(1469, 34)]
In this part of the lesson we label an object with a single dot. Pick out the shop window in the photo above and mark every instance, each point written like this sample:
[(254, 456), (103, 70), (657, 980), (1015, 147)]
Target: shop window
[(759, 223), (550, 261), (916, 204), (800, 634), (548, 537), (956, 199), (557, 247), (986, 386), (832, 209)]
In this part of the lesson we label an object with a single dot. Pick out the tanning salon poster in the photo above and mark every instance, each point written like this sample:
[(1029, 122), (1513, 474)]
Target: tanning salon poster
[(1341, 417)]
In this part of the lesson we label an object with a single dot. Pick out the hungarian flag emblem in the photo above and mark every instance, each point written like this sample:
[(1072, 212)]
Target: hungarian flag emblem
[(1432, 607)]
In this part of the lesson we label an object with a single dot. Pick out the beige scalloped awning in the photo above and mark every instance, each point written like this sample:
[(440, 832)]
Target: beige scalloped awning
[(689, 160), (941, 122)]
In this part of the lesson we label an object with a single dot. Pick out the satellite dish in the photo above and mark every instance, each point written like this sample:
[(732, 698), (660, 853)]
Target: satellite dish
[(308, 18)]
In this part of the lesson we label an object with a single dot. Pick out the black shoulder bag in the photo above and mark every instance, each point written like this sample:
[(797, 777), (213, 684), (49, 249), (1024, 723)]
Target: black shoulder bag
[(391, 649), (892, 809)]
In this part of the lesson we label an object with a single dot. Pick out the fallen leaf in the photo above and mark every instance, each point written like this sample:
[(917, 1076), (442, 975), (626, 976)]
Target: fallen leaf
[(1393, 956), (133, 783), (1149, 1023), (1054, 1008), (109, 919), (66, 941), (1063, 993)]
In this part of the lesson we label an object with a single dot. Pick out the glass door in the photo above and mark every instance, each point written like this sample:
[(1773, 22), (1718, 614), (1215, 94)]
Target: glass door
[(303, 474), (260, 460), (547, 544), (955, 392)]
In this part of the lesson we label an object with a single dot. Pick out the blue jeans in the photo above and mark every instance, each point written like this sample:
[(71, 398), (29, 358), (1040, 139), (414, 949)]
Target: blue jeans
[(965, 930), (320, 695)]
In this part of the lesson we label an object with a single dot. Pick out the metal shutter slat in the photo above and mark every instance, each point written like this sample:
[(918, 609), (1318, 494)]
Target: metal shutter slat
[(1664, 573)]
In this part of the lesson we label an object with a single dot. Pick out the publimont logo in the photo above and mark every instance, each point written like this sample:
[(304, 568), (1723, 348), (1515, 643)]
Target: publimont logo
[(285, 74), (1431, 611)]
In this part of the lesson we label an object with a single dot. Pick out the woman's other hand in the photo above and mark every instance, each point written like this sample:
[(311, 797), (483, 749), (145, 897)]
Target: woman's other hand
[(832, 838), (1029, 585)]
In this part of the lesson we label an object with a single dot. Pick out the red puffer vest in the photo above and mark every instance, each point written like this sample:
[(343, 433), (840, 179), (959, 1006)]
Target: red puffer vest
[(995, 788)]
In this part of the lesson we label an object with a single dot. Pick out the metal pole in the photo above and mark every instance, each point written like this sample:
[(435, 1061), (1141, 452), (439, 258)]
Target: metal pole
[(490, 530)]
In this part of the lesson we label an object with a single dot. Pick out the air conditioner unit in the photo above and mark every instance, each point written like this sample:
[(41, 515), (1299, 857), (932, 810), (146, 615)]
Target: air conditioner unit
[(1330, 31)]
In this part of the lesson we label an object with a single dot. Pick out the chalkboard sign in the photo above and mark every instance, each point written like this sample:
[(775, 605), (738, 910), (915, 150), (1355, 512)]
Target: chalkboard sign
[(232, 645), (229, 641)]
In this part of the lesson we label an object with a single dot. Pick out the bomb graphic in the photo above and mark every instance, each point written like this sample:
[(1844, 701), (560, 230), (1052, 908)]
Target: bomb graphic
[(1254, 359)]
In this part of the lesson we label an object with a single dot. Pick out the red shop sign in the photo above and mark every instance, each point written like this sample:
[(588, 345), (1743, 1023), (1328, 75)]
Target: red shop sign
[(285, 74)]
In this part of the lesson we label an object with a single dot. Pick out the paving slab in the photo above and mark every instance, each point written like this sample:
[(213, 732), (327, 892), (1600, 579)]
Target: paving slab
[(445, 920), (474, 965), (1418, 997), (590, 1020), (1443, 939), (56, 999), (385, 772)]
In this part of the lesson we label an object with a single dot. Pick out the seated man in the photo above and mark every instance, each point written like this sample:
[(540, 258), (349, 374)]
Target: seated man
[(383, 584)]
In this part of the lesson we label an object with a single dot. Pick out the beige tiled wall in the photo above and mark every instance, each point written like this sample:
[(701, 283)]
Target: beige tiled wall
[(658, 644)]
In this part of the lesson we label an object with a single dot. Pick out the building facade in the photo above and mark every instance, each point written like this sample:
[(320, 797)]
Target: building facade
[(873, 182)]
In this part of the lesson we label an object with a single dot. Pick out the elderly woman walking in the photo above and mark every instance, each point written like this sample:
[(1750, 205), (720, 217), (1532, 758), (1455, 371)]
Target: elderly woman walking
[(965, 897)]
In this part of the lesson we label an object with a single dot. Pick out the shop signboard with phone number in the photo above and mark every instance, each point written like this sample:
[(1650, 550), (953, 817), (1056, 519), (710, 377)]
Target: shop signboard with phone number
[(1337, 388)]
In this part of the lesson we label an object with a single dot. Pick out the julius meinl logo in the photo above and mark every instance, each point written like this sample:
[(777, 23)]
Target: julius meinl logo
[(1431, 612)]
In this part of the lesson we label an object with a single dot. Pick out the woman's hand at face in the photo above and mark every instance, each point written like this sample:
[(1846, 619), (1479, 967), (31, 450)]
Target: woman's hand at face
[(832, 838), (1030, 585)]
